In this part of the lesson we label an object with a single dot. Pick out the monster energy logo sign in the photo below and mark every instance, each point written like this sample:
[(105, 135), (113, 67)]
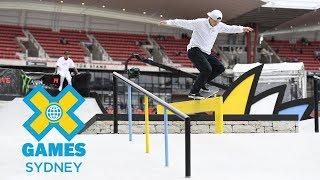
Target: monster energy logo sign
[(26, 81)]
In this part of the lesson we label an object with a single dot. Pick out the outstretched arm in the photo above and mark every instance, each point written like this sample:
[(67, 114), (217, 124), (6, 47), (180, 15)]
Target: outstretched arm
[(76, 70), (57, 66), (72, 65), (186, 24), (234, 29)]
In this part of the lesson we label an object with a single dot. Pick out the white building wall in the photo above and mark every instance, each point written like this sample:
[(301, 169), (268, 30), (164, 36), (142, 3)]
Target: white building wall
[(76, 21), (311, 36), (42, 19), (90, 23), (9, 17), (71, 21)]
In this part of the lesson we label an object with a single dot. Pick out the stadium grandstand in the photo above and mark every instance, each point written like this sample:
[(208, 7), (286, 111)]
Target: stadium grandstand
[(101, 36), (156, 67)]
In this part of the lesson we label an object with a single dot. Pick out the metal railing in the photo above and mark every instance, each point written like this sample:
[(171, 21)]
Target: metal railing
[(104, 53), (175, 71), (42, 53), (166, 106), (316, 102), (275, 57)]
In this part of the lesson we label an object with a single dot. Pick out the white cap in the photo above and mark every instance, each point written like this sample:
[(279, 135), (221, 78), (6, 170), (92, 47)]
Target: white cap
[(215, 14)]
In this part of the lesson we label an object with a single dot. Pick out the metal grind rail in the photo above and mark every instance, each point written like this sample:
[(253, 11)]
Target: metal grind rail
[(167, 107)]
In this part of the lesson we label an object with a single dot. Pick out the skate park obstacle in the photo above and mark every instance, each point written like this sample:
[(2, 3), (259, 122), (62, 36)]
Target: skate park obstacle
[(167, 107)]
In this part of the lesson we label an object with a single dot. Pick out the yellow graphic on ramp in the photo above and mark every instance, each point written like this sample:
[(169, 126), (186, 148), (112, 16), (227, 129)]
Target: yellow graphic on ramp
[(192, 106), (197, 106), (235, 100)]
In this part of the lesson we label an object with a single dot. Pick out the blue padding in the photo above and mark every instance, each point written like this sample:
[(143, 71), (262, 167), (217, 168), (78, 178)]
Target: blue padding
[(299, 110)]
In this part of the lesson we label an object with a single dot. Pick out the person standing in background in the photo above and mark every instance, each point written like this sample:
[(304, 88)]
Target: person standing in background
[(64, 63)]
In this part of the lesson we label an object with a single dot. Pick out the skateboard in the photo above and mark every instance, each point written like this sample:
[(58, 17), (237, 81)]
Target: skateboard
[(213, 92)]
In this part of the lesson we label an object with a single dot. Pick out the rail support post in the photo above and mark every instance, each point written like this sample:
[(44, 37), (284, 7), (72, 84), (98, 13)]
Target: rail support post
[(316, 104), (115, 105), (218, 116), (166, 148), (130, 112), (146, 124), (187, 146)]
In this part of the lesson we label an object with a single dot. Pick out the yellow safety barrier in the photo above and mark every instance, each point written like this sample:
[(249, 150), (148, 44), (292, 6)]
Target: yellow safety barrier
[(146, 124)]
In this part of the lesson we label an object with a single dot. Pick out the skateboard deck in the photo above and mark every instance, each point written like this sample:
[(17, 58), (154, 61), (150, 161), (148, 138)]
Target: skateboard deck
[(213, 92)]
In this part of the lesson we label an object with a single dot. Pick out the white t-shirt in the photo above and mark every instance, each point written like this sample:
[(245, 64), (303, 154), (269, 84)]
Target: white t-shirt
[(204, 35), (64, 65)]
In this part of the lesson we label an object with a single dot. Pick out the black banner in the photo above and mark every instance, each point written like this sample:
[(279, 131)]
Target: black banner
[(14, 82), (10, 82), (80, 82)]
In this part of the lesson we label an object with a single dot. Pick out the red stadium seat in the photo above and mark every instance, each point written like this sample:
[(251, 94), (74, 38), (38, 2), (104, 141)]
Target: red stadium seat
[(288, 51), (8, 45), (173, 47), (50, 41), (120, 45)]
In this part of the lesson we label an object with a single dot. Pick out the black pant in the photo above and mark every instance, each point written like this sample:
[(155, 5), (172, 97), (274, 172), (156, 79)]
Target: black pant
[(209, 67)]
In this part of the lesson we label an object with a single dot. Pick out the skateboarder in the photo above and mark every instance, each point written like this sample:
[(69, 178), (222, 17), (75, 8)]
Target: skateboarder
[(205, 31), (64, 63)]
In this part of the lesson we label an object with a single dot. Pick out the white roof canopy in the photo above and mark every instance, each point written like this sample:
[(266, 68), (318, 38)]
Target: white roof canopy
[(293, 4)]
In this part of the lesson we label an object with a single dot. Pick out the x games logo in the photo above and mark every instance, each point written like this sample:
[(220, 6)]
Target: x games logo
[(53, 112)]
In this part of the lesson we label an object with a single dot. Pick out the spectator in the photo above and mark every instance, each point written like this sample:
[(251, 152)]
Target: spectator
[(317, 54), (63, 41), (138, 43), (305, 41), (272, 39)]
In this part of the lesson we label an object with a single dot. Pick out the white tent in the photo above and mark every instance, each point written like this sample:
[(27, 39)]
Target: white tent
[(278, 72)]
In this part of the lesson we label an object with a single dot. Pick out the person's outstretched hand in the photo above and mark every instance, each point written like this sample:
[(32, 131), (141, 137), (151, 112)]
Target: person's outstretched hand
[(247, 29)]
